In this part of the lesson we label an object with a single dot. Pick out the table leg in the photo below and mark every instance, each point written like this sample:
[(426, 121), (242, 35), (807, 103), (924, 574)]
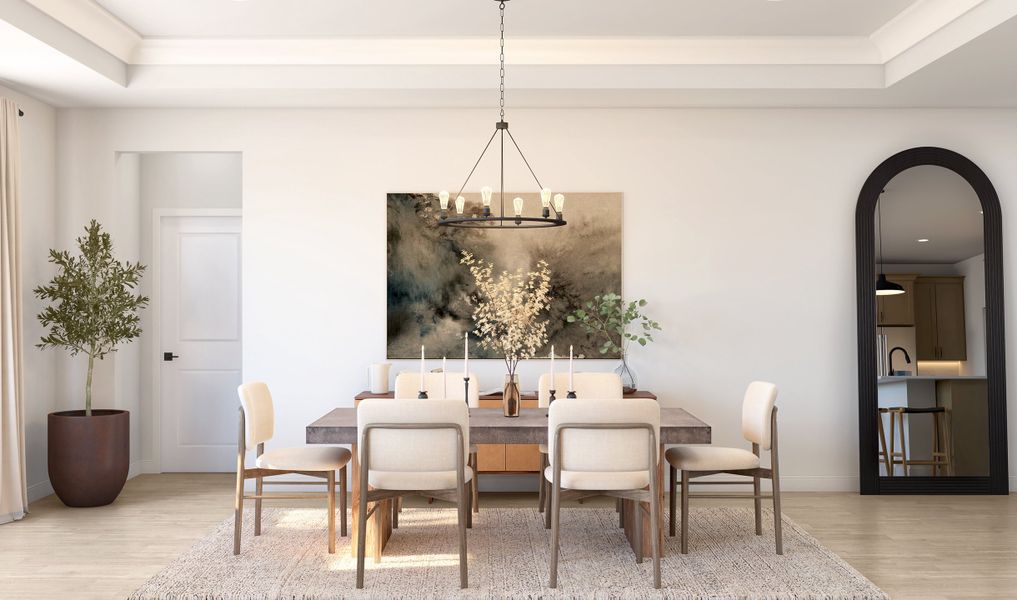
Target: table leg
[(641, 544), (379, 525)]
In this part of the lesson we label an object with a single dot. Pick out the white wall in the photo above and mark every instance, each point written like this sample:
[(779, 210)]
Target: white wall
[(38, 231), (727, 213)]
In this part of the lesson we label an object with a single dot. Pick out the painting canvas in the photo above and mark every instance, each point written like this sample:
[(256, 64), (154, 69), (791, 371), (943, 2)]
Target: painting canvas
[(428, 287)]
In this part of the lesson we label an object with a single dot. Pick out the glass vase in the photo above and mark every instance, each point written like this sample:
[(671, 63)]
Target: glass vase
[(628, 376), (510, 400)]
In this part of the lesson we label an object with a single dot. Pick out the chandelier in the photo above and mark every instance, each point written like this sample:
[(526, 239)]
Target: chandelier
[(552, 207)]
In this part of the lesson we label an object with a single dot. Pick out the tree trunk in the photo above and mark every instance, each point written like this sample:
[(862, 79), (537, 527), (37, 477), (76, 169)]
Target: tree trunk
[(88, 387)]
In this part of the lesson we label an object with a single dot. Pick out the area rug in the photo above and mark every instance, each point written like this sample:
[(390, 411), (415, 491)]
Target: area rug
[(508, 558)]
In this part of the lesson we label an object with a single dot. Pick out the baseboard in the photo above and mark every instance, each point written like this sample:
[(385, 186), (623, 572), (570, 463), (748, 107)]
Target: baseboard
[(38, 491)]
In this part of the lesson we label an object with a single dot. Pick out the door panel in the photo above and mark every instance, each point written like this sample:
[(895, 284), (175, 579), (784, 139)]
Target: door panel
[(201, 323), (950, 328)]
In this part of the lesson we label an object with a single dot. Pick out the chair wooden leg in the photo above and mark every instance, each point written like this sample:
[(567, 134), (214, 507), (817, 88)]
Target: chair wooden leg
[(469, 506), (637, 531), (554, 514), (777, 531), (395, 513), (550, 504), (342, 502), (685, 513), (542, 488), (619, 506), (464, 514), (361, 535), (655, 523), (330, 486), (238, 511), (756, 488), (475, 487), (258, 487), (672, 497)]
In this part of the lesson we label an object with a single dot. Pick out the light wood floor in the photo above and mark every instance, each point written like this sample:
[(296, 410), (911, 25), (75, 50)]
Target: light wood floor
[(913, 547)]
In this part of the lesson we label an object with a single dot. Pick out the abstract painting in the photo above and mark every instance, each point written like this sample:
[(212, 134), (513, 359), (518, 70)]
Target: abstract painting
[(428, 287)]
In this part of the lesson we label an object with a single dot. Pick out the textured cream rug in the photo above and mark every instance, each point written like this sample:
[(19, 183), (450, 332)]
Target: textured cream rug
[(508, 558)]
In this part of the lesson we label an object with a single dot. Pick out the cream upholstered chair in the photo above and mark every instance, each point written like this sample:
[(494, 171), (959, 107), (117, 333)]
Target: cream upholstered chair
[(257, 426), (413, 447), (759, 426), (451, 387), (604, 448), (588, 385)]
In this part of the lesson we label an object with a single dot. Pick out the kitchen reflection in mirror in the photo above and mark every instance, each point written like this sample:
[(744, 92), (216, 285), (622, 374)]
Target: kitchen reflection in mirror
[(930, 313)]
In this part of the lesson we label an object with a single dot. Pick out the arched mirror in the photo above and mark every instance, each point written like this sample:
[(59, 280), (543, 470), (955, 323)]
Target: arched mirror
[(931, 373)]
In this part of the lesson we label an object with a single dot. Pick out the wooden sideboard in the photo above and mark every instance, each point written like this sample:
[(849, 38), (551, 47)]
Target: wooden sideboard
[(506, 458)]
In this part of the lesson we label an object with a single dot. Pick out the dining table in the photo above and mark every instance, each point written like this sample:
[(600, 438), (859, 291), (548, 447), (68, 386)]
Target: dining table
[(490, 426)]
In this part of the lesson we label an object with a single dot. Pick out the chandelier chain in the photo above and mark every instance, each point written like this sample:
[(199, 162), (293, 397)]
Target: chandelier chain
[(501, 60)]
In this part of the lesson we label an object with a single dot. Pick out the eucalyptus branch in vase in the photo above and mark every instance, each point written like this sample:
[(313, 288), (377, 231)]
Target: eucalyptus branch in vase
[(607, 319), (506, 312)]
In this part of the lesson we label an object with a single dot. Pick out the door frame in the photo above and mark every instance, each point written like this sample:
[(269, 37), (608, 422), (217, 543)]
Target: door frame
[(158, 215), (997, 482)]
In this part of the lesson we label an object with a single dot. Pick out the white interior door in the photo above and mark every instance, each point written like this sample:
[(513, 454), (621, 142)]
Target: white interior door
[(200, 351)]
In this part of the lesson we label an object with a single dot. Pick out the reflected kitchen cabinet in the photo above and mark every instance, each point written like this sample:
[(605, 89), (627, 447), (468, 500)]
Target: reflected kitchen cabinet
[(940, 332), (897, 311)]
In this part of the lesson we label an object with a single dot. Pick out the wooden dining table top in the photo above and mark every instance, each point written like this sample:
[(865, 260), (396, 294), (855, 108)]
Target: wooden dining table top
[(490, 426)]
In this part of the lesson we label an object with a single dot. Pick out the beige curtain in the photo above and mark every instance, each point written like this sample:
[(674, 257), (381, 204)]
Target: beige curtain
[(13, 487)]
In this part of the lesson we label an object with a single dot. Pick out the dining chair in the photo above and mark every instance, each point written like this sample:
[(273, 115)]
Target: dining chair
[(759, 427), (257, 426), (588, 385), (604, 447), (449, 387), (418, 448)]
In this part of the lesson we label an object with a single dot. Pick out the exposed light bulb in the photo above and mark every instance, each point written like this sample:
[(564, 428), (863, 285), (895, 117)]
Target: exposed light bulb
[(559, 202), (517, 203), (485, 195), (460, 204), (545, 197), (443, 199)]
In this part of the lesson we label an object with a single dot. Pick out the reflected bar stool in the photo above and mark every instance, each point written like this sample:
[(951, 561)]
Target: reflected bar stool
[(257, 426), (941, 459)]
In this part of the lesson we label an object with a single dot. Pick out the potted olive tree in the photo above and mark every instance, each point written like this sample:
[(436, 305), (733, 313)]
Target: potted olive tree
[(93, 308)]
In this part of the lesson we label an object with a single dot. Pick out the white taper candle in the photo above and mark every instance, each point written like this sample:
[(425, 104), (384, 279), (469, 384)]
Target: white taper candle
[(422, 387), (571, 387)]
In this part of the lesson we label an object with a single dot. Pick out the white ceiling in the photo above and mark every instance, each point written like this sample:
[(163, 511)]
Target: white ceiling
[(555, 18), (932, 203), (443, 53)]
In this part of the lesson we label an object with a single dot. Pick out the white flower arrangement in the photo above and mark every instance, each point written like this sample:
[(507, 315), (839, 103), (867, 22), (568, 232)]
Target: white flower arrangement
[(507, 309)]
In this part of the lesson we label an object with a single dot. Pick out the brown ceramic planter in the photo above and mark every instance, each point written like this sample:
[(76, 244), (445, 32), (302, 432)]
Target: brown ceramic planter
[(89, 456)]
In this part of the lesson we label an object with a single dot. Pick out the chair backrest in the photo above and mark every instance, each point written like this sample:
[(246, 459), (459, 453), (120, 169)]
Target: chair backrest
[(412, 450), (259, 415), (588, 385), (407, 385), (604, 450), (757, 409)]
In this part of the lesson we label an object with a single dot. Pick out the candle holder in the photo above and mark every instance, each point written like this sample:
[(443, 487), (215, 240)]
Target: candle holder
[(571, 394), (422, 395), (551, 398), (466, 391)]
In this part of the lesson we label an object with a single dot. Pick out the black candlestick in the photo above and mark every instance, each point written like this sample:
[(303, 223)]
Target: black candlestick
[(466, 390), (422, 395), (551, 398), (571, 395)]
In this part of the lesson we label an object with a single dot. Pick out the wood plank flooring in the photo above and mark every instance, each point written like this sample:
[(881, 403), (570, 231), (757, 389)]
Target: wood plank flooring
[(915, 547)]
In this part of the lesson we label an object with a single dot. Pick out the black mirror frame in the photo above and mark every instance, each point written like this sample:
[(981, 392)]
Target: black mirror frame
[(997, 482)]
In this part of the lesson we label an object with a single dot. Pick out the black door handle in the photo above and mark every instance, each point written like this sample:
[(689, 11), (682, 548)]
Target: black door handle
[(169, 356)]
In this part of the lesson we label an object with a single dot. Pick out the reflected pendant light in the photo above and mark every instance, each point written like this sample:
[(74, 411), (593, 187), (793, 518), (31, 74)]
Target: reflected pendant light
[(884, 287), (552, 207)]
